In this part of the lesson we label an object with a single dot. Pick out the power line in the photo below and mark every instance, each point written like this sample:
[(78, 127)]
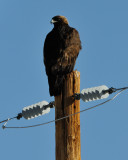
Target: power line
[(84, 110)]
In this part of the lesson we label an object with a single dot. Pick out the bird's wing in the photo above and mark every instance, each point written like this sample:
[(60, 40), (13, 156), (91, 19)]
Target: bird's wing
[(50, 51), (66, 61)]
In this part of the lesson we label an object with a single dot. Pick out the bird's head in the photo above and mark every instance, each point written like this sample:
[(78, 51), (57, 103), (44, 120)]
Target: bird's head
[(57, 20)]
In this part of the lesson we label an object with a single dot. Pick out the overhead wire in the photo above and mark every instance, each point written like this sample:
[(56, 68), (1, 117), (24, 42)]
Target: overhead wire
[(56, 120)]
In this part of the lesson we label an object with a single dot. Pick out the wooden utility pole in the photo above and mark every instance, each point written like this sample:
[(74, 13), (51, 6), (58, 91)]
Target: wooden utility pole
[(68, 130)]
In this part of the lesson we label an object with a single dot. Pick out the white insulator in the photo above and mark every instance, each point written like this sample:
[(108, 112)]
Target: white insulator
[(95, 93), (36, 110)]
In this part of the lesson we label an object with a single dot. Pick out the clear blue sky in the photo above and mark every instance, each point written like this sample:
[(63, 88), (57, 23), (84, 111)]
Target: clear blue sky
[(103, 28)]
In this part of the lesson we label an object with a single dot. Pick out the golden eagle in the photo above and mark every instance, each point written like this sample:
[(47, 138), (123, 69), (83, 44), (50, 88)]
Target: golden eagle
[(61, 48)]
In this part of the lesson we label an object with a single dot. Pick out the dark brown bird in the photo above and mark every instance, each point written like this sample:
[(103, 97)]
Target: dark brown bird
[(61, 48)]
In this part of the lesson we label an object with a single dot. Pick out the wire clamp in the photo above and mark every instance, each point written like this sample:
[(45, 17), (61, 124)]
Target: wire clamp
[(19, 116), (76, 96), (52, 104), (5, 123)]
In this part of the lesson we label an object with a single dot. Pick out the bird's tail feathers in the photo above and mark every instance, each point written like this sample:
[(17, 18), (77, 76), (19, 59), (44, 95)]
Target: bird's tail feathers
[(56, 84)]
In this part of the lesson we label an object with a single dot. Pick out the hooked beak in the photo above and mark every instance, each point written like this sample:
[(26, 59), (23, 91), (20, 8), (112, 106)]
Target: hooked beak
[(53, 21)]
